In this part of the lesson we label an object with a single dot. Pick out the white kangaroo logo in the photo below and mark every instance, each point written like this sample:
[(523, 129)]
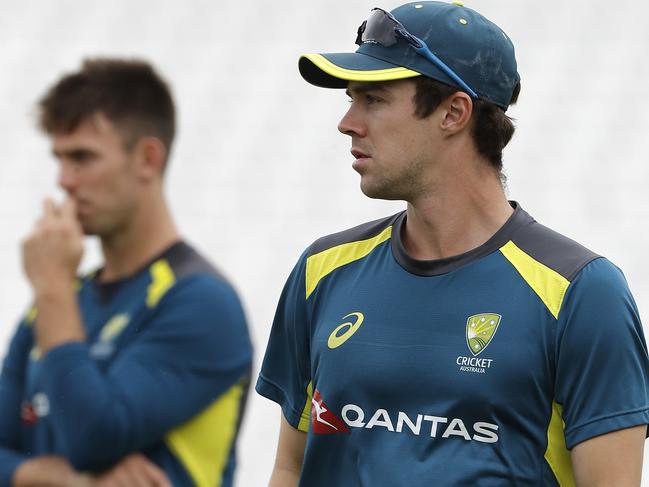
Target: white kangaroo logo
[(320, 409)]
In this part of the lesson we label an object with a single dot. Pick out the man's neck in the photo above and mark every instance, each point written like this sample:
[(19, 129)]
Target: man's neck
[(458, 215), (149, 233)]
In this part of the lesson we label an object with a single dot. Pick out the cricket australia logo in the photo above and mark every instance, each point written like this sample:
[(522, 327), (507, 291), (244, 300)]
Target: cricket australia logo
[(104, 347), (480, 330)]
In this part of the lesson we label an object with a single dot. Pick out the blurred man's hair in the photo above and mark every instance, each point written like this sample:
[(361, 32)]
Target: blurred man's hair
[(492, 128), (127, 92)]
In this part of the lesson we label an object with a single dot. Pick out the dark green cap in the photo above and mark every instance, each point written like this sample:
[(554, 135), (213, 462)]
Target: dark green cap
[(475, 48)]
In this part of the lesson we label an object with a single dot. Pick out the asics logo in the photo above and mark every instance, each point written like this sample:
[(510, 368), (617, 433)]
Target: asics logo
[(344, 332)]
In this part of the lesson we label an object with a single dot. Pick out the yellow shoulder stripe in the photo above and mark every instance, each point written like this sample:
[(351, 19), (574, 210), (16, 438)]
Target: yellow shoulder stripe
[(31, 315), (323, 263), (548, 284), (305, 419), (162, 278), (557, 455), (357, 75), (203, 444)]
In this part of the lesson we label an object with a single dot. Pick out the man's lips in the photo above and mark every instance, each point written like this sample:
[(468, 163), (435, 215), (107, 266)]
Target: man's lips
[(358, 154), (360, 159), (83, 208)]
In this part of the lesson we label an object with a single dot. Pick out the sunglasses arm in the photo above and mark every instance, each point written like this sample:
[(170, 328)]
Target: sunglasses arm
[(420, 47)]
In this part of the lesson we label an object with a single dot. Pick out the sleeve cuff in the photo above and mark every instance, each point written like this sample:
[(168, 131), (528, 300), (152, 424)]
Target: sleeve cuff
[(269, 390), (63, 358), (605, 425)]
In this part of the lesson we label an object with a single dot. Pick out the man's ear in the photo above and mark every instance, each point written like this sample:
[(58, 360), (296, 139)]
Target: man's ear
[(456, 115), (151, 155)]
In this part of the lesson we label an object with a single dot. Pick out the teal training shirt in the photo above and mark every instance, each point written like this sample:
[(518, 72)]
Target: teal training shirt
[(480, 369), (164, 371)]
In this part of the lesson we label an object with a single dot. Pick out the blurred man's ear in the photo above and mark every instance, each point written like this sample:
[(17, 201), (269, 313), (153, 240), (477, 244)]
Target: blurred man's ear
[(151, 155)]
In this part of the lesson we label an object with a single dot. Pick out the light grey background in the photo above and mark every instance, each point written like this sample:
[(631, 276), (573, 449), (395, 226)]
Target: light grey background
[(259, 170)]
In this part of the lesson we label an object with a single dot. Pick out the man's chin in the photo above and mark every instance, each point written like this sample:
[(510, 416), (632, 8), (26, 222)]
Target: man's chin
[(379, 191), (88, 229)]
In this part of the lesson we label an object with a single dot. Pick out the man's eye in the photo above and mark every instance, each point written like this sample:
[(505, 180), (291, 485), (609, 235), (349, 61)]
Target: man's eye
[(81, 157)]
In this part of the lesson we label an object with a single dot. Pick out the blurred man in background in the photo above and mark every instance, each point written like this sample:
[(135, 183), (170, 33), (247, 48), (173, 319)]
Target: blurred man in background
[(137, 373), (458, 342)]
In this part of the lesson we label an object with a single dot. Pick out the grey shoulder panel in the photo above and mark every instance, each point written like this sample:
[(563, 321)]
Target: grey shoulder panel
[(185, 261), (360, 232), (556, 251)]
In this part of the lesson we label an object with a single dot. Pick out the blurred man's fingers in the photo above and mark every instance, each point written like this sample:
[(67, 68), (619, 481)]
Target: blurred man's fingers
[(155, 474), (69, 208), (136, 470), (49, 208)]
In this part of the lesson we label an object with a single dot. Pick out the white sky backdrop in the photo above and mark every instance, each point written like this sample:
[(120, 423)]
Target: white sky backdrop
[(259, 170)]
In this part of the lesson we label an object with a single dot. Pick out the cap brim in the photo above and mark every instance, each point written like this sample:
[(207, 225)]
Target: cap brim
[(335, 70)]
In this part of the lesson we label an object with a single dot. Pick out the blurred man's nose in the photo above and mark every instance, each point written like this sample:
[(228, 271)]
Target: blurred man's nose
[(68, 177)]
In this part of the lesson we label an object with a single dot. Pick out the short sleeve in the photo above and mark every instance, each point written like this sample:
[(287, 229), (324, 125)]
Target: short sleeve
[(602, 374), (285, 373)]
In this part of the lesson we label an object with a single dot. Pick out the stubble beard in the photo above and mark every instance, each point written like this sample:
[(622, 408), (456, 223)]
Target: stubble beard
[(404, 186)]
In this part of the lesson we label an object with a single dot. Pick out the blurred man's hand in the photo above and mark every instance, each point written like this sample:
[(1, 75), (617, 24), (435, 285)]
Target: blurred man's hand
[(134, 471), (52, 471), (52, 252), (48, 471)]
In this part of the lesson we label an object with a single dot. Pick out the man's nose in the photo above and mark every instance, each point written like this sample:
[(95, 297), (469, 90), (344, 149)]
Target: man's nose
[(352, 123), (68, 178)]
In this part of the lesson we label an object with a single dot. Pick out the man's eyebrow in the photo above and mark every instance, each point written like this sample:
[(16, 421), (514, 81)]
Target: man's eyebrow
[(364, 88), (72, 153)]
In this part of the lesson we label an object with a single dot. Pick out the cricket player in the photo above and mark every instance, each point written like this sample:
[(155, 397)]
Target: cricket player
[(458, 342), (135, 374)]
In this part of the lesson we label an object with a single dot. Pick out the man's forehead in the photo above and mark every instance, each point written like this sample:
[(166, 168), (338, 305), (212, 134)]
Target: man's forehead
[(96, 123), (359, 87), (88, 131), (362, 86)]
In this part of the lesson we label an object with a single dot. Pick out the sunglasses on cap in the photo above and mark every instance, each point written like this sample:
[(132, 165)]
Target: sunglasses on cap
[(383, 28)]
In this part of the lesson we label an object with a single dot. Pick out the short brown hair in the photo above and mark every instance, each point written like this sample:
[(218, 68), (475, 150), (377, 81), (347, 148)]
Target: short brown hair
[(128, 92), (492, 128)]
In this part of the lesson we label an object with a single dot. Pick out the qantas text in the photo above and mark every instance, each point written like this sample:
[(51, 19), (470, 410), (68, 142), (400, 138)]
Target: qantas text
[(436, 426)]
